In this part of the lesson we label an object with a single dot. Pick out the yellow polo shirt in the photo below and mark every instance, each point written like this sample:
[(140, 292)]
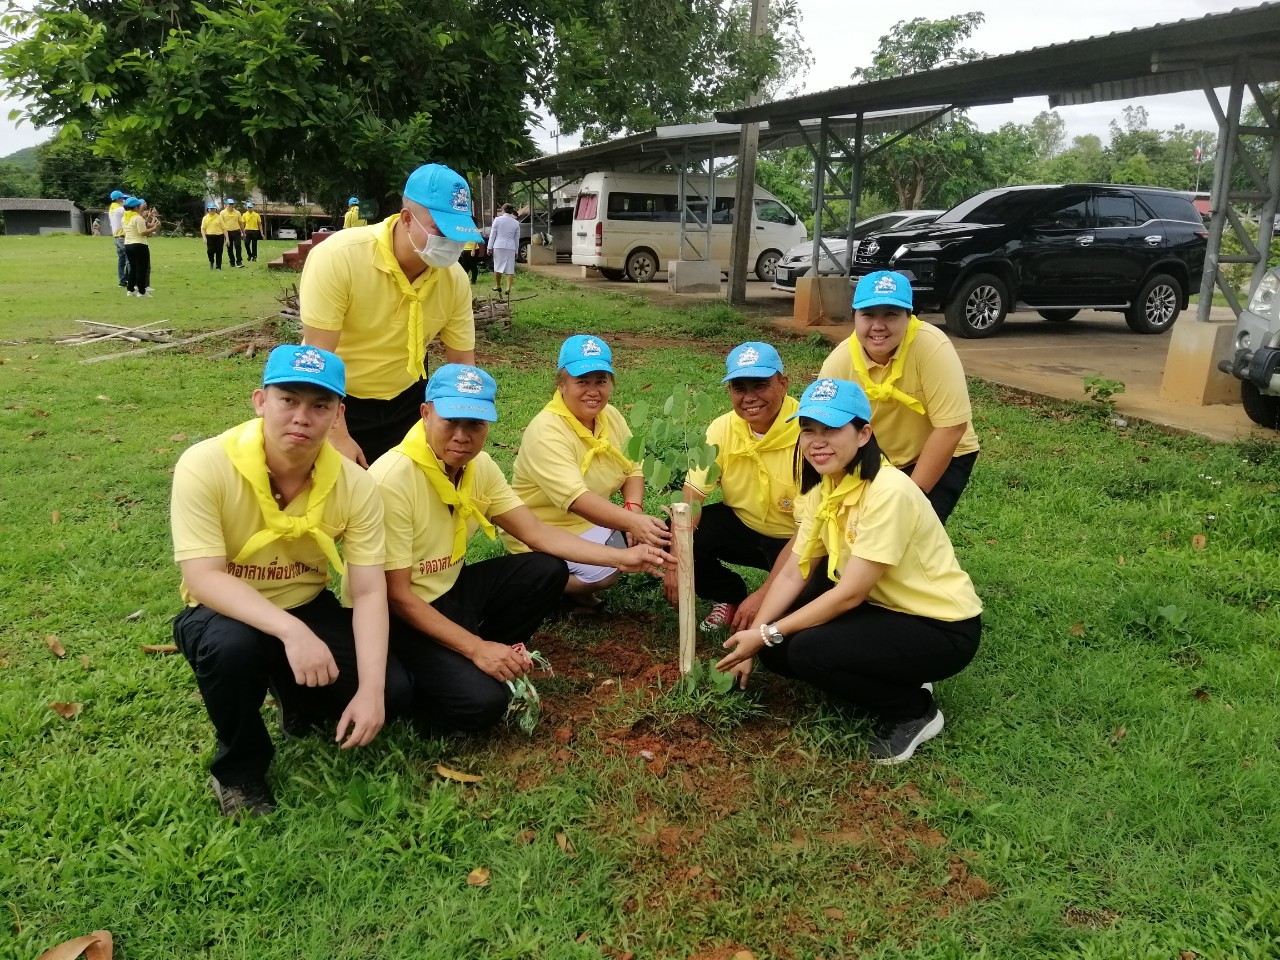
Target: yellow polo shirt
[(933, 375), (116, 204), (135, 228), (252, 220), (352, 218), (890, 521), (548, 476), (212, 226), (764, 507), (347, 286), (419, 524), (213, 513), (231, 221)]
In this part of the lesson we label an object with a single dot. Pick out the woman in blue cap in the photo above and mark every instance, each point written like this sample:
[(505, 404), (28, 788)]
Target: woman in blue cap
[(571, 464), (138, 226), (892, 611), (214, 233)]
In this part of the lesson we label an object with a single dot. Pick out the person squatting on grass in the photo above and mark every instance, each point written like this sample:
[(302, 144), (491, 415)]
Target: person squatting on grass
[(137, 227), (753, 526), (454, 624), (570, 463), (214, 233), (255, 515), (892, 612), (378, 295), (919, 398)]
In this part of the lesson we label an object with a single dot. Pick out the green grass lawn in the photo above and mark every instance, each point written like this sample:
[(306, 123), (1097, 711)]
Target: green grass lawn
[(1105, 788)]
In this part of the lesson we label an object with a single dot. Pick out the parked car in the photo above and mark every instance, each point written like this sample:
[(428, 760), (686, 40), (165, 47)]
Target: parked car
[(1054, 249), (1256, 363), (796, 260)]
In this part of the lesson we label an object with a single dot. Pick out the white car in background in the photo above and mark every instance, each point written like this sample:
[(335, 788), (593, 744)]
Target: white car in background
[(795, 262)]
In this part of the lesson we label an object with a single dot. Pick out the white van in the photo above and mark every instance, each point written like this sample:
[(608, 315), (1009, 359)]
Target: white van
[(628, 224)]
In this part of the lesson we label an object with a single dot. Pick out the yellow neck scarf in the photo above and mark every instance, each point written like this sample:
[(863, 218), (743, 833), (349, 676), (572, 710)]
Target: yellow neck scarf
[(780, 436), (244, 446), (130, 214), (415, 447), (825, 530), (887, 390), (597, 443), (414, 343)]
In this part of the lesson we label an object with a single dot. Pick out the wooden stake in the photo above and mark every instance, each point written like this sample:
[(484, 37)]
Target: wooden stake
[(682, 523), (176, 343)]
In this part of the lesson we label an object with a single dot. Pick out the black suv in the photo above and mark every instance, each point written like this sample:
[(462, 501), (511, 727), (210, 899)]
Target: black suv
[(1054, 249)]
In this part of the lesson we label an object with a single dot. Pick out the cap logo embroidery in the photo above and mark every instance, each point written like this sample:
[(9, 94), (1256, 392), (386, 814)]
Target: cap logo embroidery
[(748, 357), (886, 284), (461, 199), (469, 382), (590, 348), (308, 361), (823, 391)]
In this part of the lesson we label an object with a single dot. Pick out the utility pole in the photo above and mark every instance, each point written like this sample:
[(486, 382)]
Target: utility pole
[(744, 198), (555, 135)]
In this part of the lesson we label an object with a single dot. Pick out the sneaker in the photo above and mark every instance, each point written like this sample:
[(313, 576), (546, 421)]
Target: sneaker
[(249, 799), (896, 742), (719, 618)]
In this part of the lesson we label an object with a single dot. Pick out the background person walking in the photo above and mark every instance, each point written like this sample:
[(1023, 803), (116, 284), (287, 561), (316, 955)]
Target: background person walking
[(252, 232), (232, 223), (214, 233), (504, 242)]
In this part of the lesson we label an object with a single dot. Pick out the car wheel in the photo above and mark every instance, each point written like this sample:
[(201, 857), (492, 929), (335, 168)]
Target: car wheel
[(1057, 316), (1157, 306), (611, 274), (767, 265), (642, 265), (522, 255), (1263, 409), (978, 308)]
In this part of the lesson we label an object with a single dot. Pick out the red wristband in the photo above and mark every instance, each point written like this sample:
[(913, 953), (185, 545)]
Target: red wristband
[(631, 503)]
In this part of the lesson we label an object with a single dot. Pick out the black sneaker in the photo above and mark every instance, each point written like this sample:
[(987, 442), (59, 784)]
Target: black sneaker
[(248, 799), (896, 742)]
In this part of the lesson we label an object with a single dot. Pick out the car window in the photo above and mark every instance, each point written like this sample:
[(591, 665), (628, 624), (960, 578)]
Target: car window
[(1170, 206), (770, 211), (994, 206), (586, 207), (1117, 210), (1070, 212)]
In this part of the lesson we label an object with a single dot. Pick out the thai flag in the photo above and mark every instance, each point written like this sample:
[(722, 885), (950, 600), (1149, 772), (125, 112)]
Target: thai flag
[(1199, 153)]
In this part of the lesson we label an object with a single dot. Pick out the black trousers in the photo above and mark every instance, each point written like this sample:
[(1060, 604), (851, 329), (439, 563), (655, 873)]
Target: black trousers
[(723, 538), (946, 492), (470, 260), (251, 238), (234, 664), (503, 600), (234, 256), (213, 243), (873, 658), (378, 425), (139, 276)]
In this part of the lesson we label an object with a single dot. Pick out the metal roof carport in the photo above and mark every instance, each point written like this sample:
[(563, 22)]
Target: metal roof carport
[(1239, 50)]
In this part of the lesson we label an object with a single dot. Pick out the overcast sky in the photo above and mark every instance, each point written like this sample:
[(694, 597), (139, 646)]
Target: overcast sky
[(842, 35)]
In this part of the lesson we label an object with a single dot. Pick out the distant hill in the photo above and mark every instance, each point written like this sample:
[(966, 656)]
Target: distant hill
[(25, 159)]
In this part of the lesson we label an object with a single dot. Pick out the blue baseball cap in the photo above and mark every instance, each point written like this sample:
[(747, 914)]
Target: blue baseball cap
[(833, 402), (211, 205), (248, 203), (460, 392), (752, 359), (585, 354), (353, 199), (132, 202), (882, 288), (231, 201), (117, 195), (295, 364), (448, 198)]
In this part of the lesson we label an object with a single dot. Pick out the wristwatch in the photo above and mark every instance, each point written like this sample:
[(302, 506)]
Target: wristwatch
[(770, 634)]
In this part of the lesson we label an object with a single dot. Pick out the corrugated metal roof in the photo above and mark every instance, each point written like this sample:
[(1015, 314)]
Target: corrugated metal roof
[(707, 139), (37, 203), (1165, 58)]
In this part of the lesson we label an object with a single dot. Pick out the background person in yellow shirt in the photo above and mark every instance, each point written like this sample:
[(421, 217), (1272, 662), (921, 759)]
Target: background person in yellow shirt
[(753, 525), (454, 624), (214, 233), (571, 462), (115, 217), (352, 217), (233, 225), (138, 226), (919, 397), (378, 295), (892, 611), (256, 513), (252, 231)]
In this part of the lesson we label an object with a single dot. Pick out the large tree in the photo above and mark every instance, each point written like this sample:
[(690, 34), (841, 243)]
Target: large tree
[(332, 97)]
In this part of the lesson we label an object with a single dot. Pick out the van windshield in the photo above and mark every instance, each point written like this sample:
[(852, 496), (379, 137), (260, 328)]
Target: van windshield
[(585, 209)]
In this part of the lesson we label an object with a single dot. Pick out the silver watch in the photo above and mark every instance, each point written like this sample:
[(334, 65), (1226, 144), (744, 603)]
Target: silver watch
[(772, 635)]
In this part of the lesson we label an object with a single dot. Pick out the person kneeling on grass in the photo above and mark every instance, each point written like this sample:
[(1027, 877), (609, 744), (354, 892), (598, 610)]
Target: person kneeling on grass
[(256, 513), (756, 444), (893, 612), (454, 624)]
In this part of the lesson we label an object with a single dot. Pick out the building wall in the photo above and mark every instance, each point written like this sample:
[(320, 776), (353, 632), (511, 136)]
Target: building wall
[(36, 222)]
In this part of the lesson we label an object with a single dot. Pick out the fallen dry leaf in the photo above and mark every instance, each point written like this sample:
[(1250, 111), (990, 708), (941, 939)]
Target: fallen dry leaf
[(94, 946), (55, 645), (137, 614), (84, 662), (103, 396), (66, 710), (55, 517), (479, 877), (1118, 734), (565, 844), (1199, 541), (457, 775), (1188, 955), (525, 837), (1201, 694), (177, 438), (832, 913), (1077, 629), (36, 433), (1120, 560), (38, 412), (159, 648)]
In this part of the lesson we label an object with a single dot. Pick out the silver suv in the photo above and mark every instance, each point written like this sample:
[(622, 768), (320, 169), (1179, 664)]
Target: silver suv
[(1256, 363)]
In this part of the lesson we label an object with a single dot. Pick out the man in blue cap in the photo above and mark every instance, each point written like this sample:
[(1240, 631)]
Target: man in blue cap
[(234, 226), (458, 627), (255, 515), (378, 295), (352, 217), (754, 467), (115, 218)]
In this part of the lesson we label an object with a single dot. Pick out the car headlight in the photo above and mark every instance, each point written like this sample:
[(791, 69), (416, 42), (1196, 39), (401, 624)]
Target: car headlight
[(1265, 299), (925, 246)]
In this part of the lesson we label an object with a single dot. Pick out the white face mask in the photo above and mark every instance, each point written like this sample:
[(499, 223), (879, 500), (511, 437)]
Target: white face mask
[(440, 252)]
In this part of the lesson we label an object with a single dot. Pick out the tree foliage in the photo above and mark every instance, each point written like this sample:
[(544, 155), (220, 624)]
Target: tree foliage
[(16, 182)]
